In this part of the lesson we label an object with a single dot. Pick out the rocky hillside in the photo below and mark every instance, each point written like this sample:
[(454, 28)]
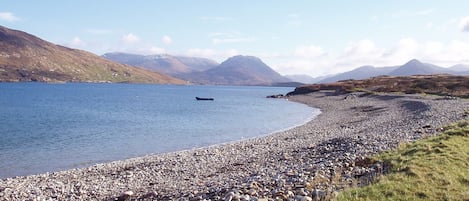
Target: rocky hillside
[(445, 85), (238, 70), (24, 57)]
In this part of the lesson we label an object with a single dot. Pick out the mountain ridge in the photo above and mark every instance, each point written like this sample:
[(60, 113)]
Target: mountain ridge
[(410, 68), (25, 57), (163, 63), (241, 70), (236, 70)]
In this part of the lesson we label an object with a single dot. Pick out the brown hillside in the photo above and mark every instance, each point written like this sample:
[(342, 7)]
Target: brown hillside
[(446, 85), (24, 57)]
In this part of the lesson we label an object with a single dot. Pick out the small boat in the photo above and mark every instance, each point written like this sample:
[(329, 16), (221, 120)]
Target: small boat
[(198, 98)]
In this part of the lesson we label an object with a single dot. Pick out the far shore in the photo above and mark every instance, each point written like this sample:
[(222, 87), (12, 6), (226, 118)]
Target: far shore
[(309, 162)]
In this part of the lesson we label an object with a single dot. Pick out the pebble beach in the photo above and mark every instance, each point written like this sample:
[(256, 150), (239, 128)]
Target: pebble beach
[(313, 161)]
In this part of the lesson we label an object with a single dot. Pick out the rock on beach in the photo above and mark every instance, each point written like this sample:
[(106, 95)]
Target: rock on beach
[(310, 162)]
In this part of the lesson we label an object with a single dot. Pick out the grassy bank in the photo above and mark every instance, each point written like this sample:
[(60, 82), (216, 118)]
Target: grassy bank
[(435, 168)]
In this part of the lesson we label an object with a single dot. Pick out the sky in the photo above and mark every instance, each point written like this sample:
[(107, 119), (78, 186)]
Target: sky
[(309, 37)]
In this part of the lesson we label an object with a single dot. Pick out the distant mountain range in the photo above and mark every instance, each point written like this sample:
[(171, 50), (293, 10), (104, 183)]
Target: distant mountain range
[(413, 67), (237, 70), (24, 57), (167, 64), (305, 78)]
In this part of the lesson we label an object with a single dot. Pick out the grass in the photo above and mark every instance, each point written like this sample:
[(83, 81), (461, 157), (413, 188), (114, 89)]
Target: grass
[(435, 168)]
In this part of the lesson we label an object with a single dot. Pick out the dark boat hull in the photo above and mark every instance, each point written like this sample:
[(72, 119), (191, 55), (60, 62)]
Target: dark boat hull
[(208, 99)]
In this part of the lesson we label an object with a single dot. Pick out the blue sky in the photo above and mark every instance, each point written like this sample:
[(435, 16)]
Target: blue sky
[(293, 37)]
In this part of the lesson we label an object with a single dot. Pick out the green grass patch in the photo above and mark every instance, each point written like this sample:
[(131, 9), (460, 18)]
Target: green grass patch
[(435, 168)]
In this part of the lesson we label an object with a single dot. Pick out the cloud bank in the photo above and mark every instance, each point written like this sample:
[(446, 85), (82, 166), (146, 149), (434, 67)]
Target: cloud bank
[(9, 17), (315, 61), (166, 40), (464, 24), (130, 38)]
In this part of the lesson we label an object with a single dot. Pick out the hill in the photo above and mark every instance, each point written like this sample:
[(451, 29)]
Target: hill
[(24, 57), (460, 68), (415, 67), (167, 64), (197, 63), (360, 73), (239, 70), (412, 67), (444, 85)]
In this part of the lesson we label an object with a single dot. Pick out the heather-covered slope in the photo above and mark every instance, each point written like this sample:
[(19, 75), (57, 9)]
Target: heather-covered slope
[(24, 57), (431, 84)]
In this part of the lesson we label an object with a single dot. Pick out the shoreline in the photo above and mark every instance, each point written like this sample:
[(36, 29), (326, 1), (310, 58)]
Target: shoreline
[(313, 160)]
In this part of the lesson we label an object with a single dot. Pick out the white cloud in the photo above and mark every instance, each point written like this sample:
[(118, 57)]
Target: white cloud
[(366, 52), (363, 52), (429, 25), (309, 51), (9, 17), (77, 42), (405, 50), (374, 18), (130, 38), (464, 24), (452, 53), (167, 40), (288, 65), (155, 50), (360, 48)]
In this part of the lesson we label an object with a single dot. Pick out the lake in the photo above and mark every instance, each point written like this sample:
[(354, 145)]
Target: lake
[(51, 127)]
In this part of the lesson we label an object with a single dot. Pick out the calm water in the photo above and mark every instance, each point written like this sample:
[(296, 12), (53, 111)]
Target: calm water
[(49, 127)]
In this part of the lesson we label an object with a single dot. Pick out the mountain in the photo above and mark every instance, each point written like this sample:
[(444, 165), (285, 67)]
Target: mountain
[(302, 78), (24, 57), (415, 67), (363, 72), (167, 64), (197, 63), (461, 68), (439, 84), (238, 70), (412, 67)]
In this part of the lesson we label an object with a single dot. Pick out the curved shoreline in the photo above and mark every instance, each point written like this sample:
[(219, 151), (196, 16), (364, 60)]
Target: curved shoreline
[(313, 160)]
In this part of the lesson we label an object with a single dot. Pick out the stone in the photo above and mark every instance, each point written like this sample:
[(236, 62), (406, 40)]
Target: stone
[(151, 194), (303, 198), (318, 194), (125, 196), (229, 196)]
